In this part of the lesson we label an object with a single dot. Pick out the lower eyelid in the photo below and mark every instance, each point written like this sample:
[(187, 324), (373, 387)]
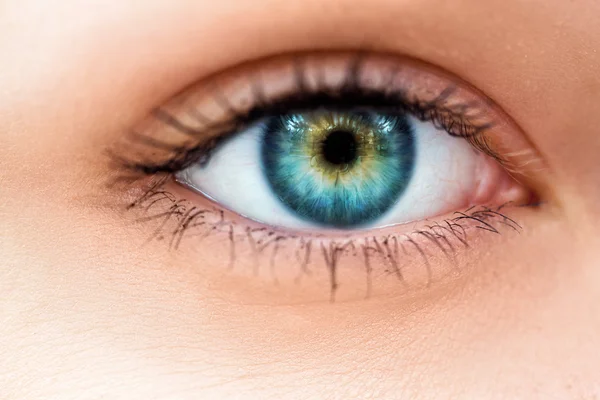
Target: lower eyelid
[(337, 266)]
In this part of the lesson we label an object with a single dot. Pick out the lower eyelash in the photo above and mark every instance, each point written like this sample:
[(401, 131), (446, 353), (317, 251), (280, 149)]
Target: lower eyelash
[(177, 218)]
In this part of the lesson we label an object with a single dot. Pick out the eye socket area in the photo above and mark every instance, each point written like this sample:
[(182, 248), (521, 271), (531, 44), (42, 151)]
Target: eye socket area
[(206, 122)]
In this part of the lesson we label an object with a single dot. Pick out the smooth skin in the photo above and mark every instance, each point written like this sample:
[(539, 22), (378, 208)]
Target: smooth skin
[(88, 312)]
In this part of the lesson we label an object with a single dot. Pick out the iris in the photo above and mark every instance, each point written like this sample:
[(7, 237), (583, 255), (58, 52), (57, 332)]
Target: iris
[(338, 169)]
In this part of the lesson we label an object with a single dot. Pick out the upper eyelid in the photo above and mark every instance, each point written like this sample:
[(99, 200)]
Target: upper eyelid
[(208, 106), (353, 66), (457, 112)]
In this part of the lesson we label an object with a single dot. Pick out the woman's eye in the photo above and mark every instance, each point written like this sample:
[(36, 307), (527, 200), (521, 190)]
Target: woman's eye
[(335, 142)]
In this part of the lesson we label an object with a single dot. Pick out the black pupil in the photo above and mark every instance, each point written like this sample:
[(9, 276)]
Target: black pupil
[(339, 147)]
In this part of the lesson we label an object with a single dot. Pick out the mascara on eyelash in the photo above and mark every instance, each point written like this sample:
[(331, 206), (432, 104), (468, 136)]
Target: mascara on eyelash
[(455, 118)]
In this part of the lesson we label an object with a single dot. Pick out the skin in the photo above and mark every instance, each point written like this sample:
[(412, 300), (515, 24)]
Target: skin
[(88, 311)]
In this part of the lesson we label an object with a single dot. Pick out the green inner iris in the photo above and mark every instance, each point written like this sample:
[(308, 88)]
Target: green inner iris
[(338, 169)]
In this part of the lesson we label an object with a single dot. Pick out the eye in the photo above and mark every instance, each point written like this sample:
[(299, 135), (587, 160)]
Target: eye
[(338, 142), (340, 170)]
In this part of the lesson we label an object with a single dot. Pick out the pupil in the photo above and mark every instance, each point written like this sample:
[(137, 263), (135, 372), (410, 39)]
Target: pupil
[(339, 147)]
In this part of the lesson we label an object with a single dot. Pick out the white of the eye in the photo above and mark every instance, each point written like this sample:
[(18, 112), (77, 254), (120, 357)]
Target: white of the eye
[(443, 175), (234, 179)]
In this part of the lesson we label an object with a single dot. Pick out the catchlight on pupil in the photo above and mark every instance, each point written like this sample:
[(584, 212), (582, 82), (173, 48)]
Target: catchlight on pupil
[(338, 169)]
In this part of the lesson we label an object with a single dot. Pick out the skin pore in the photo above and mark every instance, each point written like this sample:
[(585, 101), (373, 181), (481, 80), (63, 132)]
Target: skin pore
[(90, 310)]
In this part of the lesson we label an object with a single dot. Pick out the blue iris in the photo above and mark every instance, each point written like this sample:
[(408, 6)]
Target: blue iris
[(338, 169)]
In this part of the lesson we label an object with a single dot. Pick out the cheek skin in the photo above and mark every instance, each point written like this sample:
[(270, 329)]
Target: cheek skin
[(139, 320)]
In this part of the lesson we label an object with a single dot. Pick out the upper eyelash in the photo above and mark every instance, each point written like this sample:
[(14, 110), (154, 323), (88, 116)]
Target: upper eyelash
[(455, 119)]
